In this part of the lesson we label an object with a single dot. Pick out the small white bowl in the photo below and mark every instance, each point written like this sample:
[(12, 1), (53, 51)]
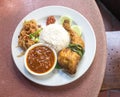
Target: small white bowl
[(35, 73)]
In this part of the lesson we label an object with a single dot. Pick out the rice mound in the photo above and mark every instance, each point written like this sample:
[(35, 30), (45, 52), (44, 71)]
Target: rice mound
[(56, 36)]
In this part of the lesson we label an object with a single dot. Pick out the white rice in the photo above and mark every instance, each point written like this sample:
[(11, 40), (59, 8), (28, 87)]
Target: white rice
[(56, 36)]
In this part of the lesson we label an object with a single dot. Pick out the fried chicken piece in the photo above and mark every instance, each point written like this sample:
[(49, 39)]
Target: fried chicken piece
[(75, 39), (68, 60)]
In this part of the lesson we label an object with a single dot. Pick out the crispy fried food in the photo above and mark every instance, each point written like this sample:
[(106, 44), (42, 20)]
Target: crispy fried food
[(67, 58), (75, 39), (24, 39)]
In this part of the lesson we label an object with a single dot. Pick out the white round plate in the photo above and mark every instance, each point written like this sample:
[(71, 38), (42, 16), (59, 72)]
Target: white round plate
[(57, 77)]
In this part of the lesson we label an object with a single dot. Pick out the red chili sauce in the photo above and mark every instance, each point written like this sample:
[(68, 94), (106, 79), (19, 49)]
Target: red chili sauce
[(40, 59), (50, 20)]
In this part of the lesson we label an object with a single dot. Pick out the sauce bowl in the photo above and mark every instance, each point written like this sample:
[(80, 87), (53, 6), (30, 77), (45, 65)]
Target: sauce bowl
[(40, 59)]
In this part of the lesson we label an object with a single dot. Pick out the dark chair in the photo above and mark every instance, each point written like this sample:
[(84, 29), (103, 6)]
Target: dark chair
[(113, 6), (110, 10)]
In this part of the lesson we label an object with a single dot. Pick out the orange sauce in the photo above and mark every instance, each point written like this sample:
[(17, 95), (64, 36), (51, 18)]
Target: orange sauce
[(40, 59)]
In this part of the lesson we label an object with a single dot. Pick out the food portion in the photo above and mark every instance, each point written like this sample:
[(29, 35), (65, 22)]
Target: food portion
[(29, 34), (77, 29), (68, 60), (63, 36), (69, 57), (50, 20), (56, 36), (40, 59), (65, 17), (75, 38)]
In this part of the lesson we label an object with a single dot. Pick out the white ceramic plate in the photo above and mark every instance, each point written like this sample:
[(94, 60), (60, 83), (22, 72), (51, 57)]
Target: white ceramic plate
[(57, 77)]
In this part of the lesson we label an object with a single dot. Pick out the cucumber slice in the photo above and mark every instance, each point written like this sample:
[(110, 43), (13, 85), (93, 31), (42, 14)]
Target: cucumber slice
[(77, 29), (62, 18)]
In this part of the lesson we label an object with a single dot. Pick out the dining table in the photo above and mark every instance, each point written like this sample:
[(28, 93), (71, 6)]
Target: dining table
[(14, 84)]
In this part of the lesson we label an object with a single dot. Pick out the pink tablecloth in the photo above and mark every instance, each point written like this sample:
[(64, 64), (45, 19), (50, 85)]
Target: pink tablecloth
[(14, 84)]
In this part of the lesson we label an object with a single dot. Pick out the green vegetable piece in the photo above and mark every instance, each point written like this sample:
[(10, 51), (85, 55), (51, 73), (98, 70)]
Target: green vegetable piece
[(35, 36), (77, 48), (65, 17), (37, 39), (77, 29), (57, 66)]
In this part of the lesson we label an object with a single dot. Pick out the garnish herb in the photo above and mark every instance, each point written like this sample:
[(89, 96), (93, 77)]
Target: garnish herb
[(77, 48), (57, 66), (35, 36)]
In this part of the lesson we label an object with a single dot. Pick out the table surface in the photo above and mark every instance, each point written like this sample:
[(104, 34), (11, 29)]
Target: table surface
[(14, 84)]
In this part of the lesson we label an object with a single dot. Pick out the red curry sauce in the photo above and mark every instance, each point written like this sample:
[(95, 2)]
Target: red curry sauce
[(40, 59)]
